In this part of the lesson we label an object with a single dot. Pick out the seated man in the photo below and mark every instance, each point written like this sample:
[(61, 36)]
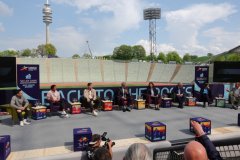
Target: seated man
[(202, 148), (179, 95), (53, 97), (20, 104), (90, 99), (235, 96), (124, 97), (152, 96)]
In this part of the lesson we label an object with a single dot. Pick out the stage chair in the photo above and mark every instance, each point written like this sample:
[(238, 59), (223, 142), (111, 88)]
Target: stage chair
[(14, 114), (54, 109)]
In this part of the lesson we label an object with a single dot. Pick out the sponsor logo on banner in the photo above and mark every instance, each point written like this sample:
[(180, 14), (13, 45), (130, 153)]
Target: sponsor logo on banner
[(28, 81), (201, 77)]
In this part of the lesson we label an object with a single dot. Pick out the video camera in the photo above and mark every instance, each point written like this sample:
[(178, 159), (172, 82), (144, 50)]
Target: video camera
[(103, 138), (90, 149)]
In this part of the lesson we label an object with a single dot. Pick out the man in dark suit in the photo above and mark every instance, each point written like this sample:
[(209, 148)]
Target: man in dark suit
[(124, 98), (179, 95)]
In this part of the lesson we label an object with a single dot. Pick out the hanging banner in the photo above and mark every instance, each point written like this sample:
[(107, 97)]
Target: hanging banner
[(201, 77), (28, 81)]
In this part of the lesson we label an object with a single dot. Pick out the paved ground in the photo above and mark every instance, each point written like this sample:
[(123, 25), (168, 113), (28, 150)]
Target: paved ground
[(54, 131)]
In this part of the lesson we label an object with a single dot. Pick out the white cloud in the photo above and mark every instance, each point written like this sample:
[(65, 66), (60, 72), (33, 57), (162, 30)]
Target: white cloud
[(5, 10), (114, 18), (221, 40), (68, 40), (20, 43), (160, 47), (185, 24), (2, 29)]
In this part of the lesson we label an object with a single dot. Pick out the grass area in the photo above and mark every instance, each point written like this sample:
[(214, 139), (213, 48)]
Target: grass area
[(201, 59)]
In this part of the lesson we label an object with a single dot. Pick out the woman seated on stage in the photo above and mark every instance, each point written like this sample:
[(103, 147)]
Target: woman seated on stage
[(152, 96)]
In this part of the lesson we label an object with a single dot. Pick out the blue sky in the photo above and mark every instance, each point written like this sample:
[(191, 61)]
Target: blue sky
[(186, 26)]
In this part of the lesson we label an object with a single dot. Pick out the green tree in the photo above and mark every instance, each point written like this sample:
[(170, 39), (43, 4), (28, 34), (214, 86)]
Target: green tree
[(138, 52), (75, 56), (107, 57), (219, 58), (162, 57), (46, 50), (210, 55), (41, 50), (50, 49), (193, 57), (87, 56), (124, 52), (9, 53), (26, 53), (233, 57), (149, 58), (187, 57), (34, 53), (174, 56)]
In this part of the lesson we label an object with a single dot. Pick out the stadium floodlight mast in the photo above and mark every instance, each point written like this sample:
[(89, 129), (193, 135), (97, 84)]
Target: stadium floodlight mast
[(47, 18), (152, 14)]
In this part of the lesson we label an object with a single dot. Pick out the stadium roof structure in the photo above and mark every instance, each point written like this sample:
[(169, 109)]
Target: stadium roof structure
[(235, 50)]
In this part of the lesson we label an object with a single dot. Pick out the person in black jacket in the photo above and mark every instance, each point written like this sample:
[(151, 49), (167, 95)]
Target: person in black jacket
[(124, 98), (206, 94), (195, 148), (179, 95), (152, 96)]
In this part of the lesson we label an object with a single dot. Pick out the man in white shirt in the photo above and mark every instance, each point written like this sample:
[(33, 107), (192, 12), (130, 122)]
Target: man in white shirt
[(90, 99), (53, 97)]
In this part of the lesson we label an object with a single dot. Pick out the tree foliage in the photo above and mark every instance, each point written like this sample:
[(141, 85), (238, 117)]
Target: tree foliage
[(50, 50), (124, 52), (138, 52), (75, 56), (9, 53), (26, 53), (174, 56), (162, 57), (87, 56), (46, 50), (187, 57)]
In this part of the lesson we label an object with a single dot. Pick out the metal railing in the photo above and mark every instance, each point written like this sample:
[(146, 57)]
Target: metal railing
[(229, 149)]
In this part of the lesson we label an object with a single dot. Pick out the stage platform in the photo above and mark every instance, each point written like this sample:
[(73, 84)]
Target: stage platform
[(57, 134)]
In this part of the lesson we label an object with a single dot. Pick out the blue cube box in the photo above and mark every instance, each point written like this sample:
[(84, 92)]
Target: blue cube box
[(155, 131), (205, 123), (166, 103), (39, 113), (81, 138), (5, 147)]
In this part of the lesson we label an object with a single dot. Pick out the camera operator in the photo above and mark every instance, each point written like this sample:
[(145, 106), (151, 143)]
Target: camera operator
[(95, 151)]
